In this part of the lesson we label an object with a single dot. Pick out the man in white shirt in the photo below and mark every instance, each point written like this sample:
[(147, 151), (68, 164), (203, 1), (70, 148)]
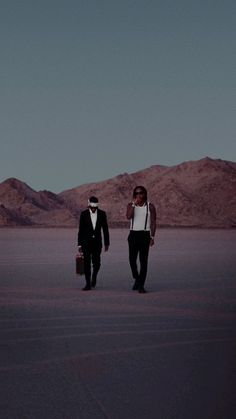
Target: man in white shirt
[(92, 222), (142, 216)]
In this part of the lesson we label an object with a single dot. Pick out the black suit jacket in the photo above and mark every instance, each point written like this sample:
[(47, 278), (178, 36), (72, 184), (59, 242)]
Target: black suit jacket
[(87, 233)]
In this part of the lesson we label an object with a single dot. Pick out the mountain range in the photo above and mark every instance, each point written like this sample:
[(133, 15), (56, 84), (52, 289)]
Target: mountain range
[(191, 194)]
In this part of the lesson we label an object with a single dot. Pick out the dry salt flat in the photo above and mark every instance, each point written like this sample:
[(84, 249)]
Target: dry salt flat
[(112, 352)]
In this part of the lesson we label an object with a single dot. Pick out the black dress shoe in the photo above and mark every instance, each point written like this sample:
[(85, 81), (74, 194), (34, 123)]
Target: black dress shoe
[(87, 288), (142, 290), (94, 282), (135, 287)]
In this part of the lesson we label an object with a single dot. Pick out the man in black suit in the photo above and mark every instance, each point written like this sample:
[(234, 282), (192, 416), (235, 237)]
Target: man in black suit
[(92, 222)]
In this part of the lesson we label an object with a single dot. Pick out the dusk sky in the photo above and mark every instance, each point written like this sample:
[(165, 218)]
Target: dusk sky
[(95, 88)]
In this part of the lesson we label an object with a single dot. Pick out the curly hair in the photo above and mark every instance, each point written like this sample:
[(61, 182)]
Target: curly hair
[(144, 190)]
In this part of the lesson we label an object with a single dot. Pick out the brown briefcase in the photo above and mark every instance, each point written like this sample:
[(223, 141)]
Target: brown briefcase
[(80, 264)]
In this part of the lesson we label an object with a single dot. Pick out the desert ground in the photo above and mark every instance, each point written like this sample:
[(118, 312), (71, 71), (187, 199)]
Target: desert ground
[(112, 352)]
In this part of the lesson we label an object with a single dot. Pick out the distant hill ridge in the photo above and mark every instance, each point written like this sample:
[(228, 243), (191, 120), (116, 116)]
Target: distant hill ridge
[(191, 194)]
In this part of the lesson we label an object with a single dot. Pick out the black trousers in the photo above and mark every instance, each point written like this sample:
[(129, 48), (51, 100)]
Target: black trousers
[(139, 244), (92, 255)]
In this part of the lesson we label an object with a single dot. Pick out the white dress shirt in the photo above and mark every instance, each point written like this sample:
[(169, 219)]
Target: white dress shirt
[(94, 216)]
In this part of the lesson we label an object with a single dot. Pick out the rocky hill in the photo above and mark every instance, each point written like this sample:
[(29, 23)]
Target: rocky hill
[(192, 194), (21, 205)]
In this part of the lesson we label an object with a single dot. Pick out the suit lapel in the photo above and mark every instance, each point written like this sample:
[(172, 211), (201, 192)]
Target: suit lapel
[(98, 219), (89, 221)]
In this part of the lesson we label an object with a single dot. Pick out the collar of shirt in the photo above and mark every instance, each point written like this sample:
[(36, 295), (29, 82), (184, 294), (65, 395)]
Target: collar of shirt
[(94, 216)]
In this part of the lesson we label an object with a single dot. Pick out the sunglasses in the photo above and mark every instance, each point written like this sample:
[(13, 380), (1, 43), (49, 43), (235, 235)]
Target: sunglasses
[(139, 193)]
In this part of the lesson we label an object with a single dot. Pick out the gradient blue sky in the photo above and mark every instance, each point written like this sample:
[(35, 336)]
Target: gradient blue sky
[(91, 89)]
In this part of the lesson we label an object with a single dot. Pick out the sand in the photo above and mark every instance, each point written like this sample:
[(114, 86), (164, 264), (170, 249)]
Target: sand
[(112, 352)]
